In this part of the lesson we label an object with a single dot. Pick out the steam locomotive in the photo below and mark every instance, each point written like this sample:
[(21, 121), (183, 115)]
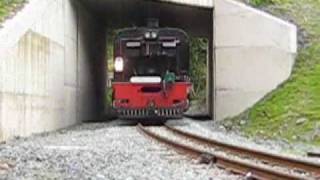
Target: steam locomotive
[(151, 66)]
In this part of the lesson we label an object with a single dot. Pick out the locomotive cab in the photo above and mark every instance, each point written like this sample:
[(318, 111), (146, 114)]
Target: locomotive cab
[(151, 73)]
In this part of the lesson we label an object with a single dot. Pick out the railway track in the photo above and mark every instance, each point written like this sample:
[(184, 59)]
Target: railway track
[(253, 170), (264, 156)]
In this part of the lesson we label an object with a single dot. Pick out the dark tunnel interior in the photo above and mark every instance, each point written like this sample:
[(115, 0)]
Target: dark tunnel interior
[(117, 14)]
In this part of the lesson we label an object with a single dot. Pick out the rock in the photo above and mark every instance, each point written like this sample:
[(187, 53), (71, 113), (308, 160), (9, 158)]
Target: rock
[(100, 176), (243, 122), (221, 128), (301, 121), (228, 125), (4, 166), (129, 178), (249, 176), (205, 159), (316, 134), (39, 159)]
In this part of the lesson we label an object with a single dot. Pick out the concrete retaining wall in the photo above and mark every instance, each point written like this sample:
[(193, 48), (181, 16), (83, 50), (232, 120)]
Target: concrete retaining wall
[(43, 50), (255, 52)]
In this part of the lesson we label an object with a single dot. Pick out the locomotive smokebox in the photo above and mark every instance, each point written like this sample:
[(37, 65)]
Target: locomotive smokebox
[(152, 23)]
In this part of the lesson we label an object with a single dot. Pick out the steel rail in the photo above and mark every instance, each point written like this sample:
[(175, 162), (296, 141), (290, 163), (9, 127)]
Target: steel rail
[(246, 169), (313, 168)]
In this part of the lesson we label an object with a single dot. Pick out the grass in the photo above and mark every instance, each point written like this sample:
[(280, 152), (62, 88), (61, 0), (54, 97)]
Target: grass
[(7, 7), (279, 113)]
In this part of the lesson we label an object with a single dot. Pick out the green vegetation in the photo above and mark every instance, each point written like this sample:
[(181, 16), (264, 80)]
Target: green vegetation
[(198, 68), (292, 111), (9, 6), (110, 67), (267, 2)]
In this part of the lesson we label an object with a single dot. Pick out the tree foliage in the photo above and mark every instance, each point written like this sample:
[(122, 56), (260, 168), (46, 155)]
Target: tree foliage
[(198, 67), (9, 6)]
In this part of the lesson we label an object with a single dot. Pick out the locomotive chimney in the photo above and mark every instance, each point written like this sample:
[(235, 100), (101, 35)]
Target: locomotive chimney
[(152, 23)]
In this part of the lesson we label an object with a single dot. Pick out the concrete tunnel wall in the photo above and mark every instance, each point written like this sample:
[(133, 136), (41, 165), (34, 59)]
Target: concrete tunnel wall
[(52, 71), (51, 68)]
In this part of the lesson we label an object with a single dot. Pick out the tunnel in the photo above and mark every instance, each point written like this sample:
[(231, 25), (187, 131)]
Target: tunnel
[(53, 69), (197, 21)]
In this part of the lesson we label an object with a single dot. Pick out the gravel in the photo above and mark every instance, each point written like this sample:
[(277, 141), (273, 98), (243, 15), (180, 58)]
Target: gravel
[(99, 151), (115, 150)]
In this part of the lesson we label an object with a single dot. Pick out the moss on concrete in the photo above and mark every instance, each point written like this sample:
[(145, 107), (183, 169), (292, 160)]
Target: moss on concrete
[(292, 111), (9, 7)]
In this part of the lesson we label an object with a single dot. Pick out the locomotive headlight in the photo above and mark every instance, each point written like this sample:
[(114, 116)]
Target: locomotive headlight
[(154, 35), (118, 64), (147, 35)]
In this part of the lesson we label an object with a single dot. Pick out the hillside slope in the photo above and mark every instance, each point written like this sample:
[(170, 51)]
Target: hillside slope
[(292, 111)]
